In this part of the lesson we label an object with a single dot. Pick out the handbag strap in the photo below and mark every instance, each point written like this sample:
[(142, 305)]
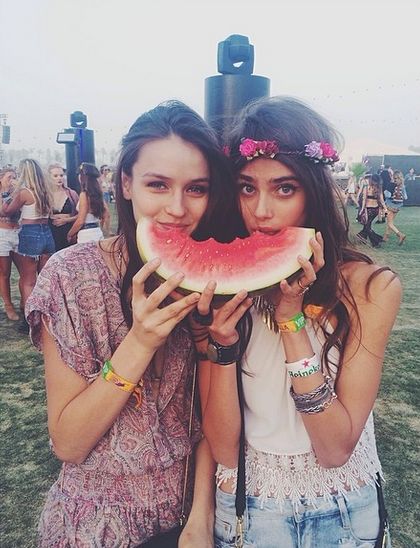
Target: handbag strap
[(240, 498), (182, 517), (383, 515)]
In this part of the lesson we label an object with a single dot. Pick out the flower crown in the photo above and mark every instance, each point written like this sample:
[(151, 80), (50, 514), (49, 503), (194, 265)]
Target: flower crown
[(317, 152)]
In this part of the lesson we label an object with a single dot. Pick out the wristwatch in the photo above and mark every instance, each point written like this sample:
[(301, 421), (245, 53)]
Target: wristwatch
[(223, 355)]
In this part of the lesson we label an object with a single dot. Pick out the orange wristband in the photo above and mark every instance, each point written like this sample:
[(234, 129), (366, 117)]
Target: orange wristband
[(109, 375)]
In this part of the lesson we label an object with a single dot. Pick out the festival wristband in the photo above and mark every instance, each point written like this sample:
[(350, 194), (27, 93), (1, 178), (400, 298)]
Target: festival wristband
[(304, 367), (293, 325), (109, 375)]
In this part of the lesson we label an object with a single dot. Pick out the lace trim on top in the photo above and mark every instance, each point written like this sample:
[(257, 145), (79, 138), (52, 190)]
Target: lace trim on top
[(294, 477)]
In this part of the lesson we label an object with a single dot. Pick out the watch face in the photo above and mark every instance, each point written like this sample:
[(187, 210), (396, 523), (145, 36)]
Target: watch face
[(212, 353)]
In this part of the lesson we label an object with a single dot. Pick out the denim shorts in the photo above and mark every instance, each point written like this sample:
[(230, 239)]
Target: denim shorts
[(36, 240), (345, 522), (9, 240)]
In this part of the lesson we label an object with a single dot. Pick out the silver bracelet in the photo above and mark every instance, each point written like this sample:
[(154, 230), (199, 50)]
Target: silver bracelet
[(317, 400)]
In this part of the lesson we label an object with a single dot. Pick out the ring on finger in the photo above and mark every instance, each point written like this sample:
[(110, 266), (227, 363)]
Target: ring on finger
[(304, 288), (203, 319)]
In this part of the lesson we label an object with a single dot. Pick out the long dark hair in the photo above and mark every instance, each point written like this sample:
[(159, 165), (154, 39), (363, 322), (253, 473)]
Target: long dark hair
[(221, 219), (89, 183), (292, 125)]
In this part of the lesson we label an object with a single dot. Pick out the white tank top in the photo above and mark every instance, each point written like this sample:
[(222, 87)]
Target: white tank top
[(272, 423), (29, 212), (280, 462), (90, 217)]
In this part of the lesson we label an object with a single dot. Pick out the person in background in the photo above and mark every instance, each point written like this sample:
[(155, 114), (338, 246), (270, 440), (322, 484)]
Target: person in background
[(372, 203), (64, 206), (394, 203), (351, 190), (410, 176), (301, 370), (118, 349), (9, 241), (33, 200), (105, 170), (387, 186), (92, 211)]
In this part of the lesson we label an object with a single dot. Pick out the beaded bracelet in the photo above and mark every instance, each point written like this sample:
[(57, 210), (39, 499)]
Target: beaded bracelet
[(109, 375), (317, 400)]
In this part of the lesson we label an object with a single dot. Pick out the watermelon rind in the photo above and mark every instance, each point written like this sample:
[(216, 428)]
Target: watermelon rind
[(231, 279)]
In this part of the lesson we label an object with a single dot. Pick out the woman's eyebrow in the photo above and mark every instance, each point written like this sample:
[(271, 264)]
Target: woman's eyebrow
[(166, 178), (277, 180)]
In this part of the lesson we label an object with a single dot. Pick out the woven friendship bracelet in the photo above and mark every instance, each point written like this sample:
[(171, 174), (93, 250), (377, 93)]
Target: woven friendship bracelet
[(293, 325), (109, 375)]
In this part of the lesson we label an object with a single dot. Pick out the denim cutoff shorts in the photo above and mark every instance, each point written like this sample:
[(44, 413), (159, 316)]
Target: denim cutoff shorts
[(348, 521), (9, 241), (36, 240)]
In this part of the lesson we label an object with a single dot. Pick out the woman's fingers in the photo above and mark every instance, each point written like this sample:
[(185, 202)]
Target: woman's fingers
[(229, 308), (141, 276), (203, 305)]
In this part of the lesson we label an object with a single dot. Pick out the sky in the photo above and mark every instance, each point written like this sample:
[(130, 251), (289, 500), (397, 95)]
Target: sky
[(357, 62)]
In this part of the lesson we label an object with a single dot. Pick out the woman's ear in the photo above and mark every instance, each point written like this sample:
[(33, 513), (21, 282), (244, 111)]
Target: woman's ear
[(126, 185)]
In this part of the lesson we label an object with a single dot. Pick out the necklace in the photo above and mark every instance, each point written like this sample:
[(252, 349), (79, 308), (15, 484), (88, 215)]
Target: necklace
[(267, 311)]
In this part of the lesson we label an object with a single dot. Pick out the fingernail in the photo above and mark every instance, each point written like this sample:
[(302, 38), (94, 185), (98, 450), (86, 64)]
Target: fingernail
[(195, 296), (212, 285), (300, 258), (155, 261), (179, 275)]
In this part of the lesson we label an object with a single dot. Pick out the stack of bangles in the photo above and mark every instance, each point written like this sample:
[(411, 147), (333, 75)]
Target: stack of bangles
[(109, 375), (317, 400)]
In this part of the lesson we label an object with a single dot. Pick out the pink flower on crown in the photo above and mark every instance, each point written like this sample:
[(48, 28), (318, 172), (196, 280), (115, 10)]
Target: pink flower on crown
[(314, 150), (248, 148), (251, 149), (268, 148), (327, 150)]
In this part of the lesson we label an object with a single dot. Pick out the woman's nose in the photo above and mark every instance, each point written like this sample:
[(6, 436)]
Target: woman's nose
[(176, 206), (263, 210)]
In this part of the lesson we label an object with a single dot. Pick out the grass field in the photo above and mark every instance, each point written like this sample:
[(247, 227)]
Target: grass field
[(28, 468)]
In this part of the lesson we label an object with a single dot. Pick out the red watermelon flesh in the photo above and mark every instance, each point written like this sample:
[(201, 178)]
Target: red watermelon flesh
[(255, 263)]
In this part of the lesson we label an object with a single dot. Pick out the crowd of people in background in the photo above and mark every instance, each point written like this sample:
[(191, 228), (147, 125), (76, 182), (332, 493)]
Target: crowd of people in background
[(378, 196), (40, 214)]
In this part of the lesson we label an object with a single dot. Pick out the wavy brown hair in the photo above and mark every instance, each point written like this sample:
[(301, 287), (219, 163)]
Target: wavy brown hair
[(89, 183), (292, 124)]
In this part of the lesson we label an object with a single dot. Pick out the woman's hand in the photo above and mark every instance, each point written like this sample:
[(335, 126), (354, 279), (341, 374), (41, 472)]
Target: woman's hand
[(291, 299), (151, 324), (225, 316), (60, 219)]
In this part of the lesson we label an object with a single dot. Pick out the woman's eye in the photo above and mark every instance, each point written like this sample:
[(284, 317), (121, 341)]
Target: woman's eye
[(198, 189), (158, 185), (286, 189), (246, 189)]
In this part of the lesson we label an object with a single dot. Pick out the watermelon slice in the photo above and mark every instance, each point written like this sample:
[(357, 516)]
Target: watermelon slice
[(255, 263)]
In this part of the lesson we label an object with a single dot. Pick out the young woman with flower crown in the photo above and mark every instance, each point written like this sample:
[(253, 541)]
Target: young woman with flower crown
[(295, 373)]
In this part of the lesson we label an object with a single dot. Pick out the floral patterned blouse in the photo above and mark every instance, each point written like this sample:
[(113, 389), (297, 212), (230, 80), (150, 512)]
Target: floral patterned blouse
[(129, 488)]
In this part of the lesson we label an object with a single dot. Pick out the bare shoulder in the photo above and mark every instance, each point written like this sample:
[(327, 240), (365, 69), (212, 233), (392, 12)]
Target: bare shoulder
[(371, 283)]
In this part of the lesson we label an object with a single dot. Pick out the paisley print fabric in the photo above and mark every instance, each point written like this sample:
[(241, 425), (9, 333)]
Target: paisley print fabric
[(130, 486)]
